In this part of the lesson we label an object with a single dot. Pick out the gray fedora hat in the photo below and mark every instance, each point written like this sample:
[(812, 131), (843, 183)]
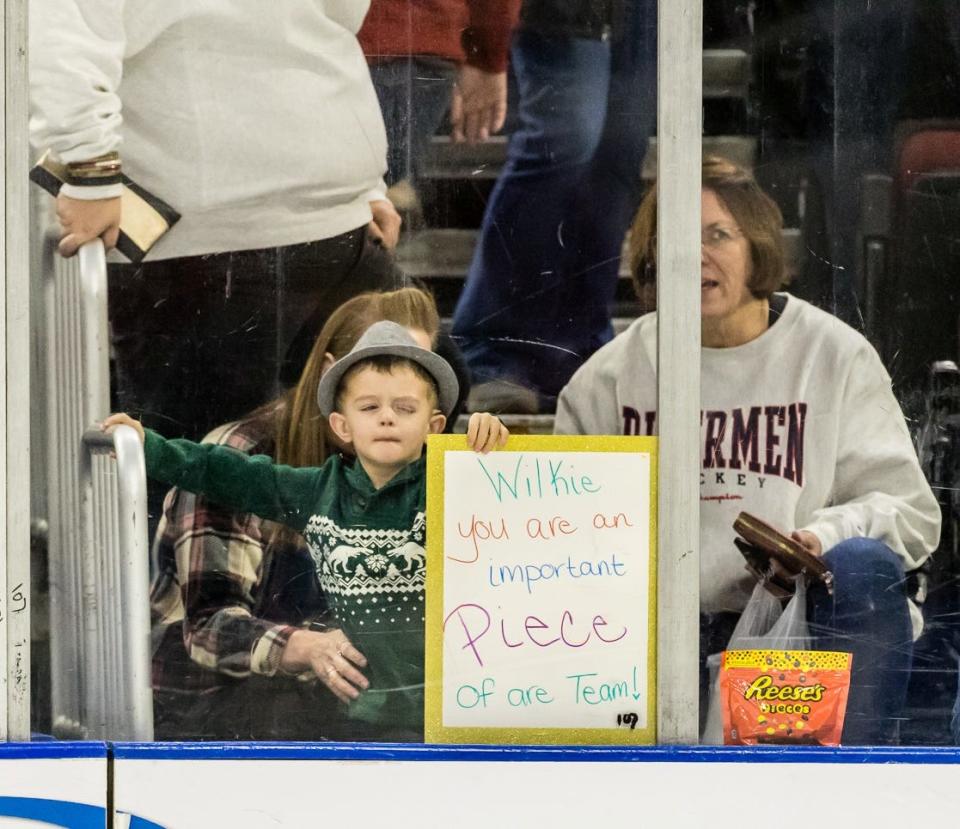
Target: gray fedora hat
[(393, 340)]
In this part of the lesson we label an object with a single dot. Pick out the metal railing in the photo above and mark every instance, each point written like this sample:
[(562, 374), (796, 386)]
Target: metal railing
[(98, 557), (115, 569)]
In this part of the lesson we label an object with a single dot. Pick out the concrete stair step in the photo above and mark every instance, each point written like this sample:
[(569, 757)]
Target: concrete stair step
[(740, 149), (726, 73), (446, 160), (620, 324), (444, 253), (517, 424)]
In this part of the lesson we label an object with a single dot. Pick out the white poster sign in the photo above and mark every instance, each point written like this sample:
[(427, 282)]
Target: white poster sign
[(540, 596)]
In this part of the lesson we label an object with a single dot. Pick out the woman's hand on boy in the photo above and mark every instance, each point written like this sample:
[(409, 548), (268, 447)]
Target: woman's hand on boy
[(331, 657), (485, 432), (122, 420)]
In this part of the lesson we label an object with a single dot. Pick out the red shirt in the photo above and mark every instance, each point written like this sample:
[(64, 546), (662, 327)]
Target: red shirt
[(475, 31)]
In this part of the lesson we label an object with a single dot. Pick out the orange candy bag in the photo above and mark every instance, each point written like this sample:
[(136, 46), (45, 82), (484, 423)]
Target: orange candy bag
[(784, 697)]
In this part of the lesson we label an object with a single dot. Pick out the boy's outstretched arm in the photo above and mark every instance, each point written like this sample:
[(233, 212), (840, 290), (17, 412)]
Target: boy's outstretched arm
[(485, 432), (249, 483)]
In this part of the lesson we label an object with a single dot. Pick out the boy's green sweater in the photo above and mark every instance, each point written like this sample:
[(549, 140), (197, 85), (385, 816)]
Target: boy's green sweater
[(367, 544)]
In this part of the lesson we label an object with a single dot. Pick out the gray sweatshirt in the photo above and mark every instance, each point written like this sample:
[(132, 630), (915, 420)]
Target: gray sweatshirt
[(799, 427)]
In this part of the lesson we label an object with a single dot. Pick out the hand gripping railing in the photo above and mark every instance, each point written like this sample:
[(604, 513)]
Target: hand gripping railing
[(87, 666)]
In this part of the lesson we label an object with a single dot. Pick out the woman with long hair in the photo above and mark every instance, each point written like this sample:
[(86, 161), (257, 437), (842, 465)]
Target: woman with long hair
[(231, 589)]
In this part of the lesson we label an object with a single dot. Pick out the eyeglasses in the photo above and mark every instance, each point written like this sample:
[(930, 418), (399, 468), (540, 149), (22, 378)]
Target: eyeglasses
[(716, 236)]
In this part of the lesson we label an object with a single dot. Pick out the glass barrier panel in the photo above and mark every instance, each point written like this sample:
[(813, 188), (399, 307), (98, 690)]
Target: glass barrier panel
[(224, 203), (829, 370)]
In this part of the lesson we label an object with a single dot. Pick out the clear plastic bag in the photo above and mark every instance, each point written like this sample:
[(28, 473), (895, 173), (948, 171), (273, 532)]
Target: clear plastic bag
[(764, 623)]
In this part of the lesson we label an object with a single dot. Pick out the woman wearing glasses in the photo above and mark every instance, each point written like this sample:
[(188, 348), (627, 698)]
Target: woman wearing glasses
[(799, 426)]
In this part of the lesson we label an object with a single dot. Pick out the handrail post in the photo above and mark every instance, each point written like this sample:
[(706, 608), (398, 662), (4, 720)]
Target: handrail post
[(679, 142), (15, 385), (126, 691)]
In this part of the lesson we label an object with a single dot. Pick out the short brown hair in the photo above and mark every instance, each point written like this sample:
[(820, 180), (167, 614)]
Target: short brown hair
[(756, 214), (385, 364)]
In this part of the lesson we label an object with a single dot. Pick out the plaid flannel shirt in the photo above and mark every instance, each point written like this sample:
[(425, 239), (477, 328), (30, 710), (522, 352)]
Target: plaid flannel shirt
[(230, 588)]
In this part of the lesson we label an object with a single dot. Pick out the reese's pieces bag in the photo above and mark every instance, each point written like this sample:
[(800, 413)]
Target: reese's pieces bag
[(784, 697)]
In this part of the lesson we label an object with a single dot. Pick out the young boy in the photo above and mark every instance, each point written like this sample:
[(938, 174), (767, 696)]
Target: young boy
[(364, 523)]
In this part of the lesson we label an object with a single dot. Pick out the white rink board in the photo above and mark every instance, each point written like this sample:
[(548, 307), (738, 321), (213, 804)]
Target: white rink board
[(52, 791), (251, 794), (507, 626), (83, 780)]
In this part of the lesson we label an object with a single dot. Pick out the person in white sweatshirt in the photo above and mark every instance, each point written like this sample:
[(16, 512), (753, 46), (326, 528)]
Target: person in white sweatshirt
[(256, 121), (799, 426)]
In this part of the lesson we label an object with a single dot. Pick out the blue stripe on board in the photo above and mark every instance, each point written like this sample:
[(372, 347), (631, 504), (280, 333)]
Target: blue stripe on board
[(413, 752), (140, 822), (51, 750), (54, 812), (578, 754)]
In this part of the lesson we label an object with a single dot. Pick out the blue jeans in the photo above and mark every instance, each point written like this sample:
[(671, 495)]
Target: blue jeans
[(867, 615), (537, 297), (414, 95)]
